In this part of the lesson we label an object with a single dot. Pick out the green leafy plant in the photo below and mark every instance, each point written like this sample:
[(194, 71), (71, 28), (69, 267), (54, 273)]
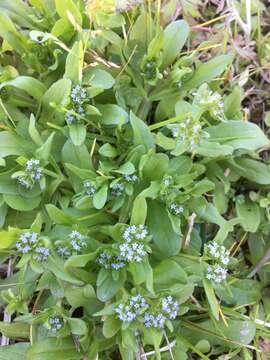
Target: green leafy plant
[(129, 181)]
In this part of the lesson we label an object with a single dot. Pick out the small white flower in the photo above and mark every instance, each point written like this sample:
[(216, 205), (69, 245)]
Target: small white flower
[(77, 240), (176, 209)]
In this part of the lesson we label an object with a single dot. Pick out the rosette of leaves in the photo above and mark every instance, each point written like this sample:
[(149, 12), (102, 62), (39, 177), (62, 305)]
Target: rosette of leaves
[(121, 153)]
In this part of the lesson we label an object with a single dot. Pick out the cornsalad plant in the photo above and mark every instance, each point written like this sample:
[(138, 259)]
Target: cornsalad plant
[(129, 181)]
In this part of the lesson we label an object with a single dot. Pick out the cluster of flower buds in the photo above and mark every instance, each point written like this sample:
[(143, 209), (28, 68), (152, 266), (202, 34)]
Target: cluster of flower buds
[(131, 178), (56, 323), (30, 243), (89, 188), (176, 209), (110, 261), (33, 173), (117, 189), (78, 97), (220, 258), (138, 308), (77, 240), (188, 132), (63, 251)]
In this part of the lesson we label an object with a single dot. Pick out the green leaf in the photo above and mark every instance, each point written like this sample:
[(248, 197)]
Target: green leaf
[(8, 238), (127, 168), (207, 71), (239, 135), (59, 216), (155, 167), (142, 134), (139, 211), (81, 173), (33, 132), (167, 241), (100, 197), (237, 332), (108, 150), (111, 326), (213, 149), (14, 330), (28, 84), (107, 286), (57, 268), (44, 151), (77, 326), (99, 78), (168, 274), (74, 63), (57, 94), (12, 144), (232, 104), (80, 260), (80, 296), (17, 202), (49, 348), (14, 352), (211, 297), (77, 133), (253, 170), (175, 36), (66, 7), (112, 115), (249, 214)]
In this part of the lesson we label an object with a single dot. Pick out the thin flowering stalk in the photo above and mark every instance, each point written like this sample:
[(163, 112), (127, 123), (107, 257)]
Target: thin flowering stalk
[(169, 121)]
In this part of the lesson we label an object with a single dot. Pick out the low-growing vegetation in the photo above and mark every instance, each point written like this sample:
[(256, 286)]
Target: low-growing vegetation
[(134, 205)]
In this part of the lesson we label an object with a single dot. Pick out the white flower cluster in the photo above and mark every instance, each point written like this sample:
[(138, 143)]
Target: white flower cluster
[(170, 307), (131, 178), (77, 240), (168, 311), (133, 250), (29, 242), (217, 271), (211, 101), (33, 172), (89, 188), (117, 189), (218, 252), (109, 261), (189, 132), (78, 96), (134, 232), (56, 323), (176, 209), (155, 321), (136, 307), (41, 253), (130, 311)]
